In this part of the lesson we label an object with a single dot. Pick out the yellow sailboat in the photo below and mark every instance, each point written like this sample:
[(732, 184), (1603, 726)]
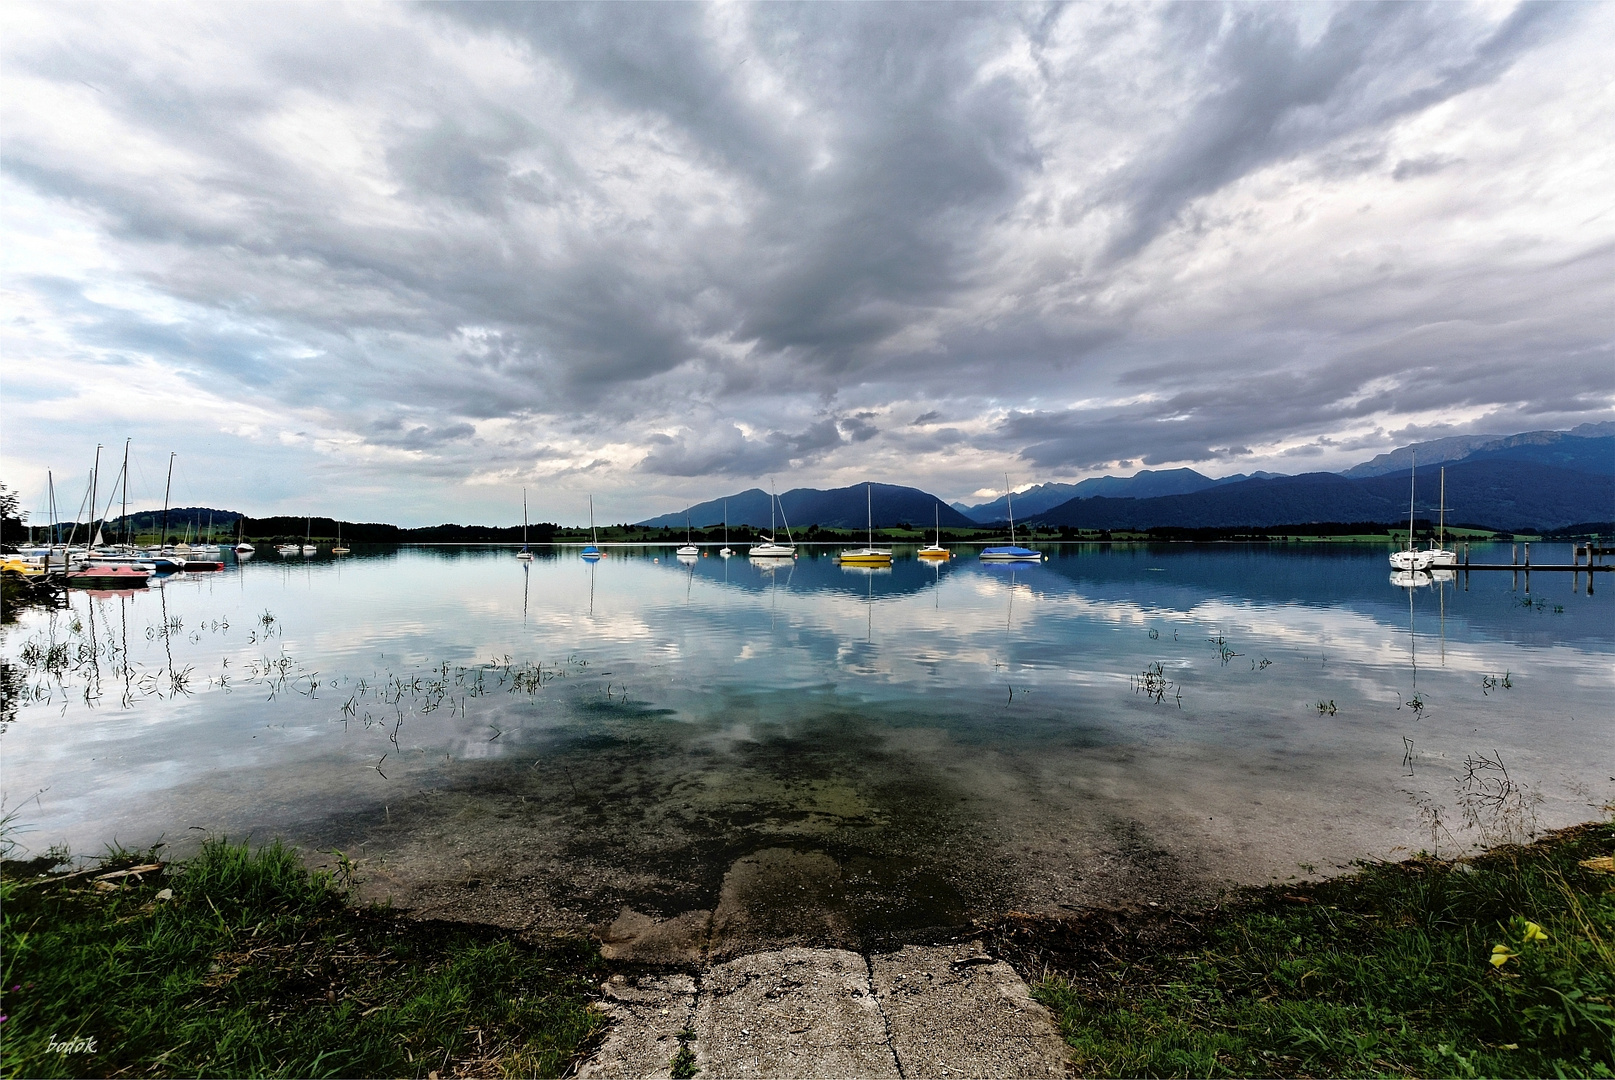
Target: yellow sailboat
[(936, 551)]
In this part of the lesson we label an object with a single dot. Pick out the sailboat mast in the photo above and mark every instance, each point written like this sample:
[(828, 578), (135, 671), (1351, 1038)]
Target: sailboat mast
[(869, 511), (1442, 543), (1009, 499), (95, 476), (167, 487), (1412, 472), (126, 492)]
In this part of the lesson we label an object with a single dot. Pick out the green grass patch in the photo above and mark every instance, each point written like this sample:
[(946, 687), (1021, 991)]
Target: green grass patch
[(243, 963), (1386, 972)]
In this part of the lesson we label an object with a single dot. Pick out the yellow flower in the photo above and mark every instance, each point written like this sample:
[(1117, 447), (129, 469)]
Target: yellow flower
[(1533, 932), (1501, 954)]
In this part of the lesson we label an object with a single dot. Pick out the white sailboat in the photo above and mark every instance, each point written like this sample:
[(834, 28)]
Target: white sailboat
[(1411, 558), (308, 537), (725, 550), (869, 554), (242, 547), (689, 550), (771, 548), (339, 549), (1439, 554), (524, 554)]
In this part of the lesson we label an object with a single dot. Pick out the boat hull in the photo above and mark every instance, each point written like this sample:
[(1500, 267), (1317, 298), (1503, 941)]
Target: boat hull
[(108, 577), (1011, 554)]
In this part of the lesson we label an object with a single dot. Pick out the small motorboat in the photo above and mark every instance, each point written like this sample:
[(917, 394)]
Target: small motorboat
[(202, 566)]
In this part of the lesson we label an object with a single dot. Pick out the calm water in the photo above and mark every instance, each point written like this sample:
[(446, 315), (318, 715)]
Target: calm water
[(1227, 712)]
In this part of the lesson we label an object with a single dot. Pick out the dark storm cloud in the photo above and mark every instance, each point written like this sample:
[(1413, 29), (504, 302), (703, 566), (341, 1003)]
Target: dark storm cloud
[(760, 230), (726, 451)]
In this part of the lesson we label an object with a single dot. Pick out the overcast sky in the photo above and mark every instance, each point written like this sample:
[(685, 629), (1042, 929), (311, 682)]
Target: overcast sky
[(395, 263)]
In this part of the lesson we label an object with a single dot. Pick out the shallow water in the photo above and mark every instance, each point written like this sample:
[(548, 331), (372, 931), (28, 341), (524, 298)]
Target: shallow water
[(903, 747)]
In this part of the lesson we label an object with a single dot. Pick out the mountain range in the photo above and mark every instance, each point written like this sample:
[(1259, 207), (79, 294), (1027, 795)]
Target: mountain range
[(1143, 485), (1534, 480), (837, 508)]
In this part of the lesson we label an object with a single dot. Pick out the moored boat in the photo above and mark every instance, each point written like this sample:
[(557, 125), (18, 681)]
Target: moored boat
[(771, 548), (109, 577), (689, 550), (936, 550), (1012, 552), (591, 551), (869, 554)]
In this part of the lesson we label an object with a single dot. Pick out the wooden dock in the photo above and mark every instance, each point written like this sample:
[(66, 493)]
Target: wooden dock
[(1576, 566)]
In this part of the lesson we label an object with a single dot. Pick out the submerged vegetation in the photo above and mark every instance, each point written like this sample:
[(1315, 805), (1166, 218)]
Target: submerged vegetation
[(243, 963), (1498, 965)]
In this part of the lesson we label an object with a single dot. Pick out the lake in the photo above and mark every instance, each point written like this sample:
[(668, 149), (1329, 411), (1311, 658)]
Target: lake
[(833, 754)]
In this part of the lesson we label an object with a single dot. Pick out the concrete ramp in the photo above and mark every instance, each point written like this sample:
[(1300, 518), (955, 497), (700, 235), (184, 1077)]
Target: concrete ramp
[(925, 1011)]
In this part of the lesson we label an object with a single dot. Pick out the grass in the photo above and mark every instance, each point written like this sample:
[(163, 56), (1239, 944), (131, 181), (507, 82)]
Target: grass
[(243, 963), (1385, 972)]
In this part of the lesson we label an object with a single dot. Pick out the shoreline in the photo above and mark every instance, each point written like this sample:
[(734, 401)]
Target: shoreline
[(1179, 970)]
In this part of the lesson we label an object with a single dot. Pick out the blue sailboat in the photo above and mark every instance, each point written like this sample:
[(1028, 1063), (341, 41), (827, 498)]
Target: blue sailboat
[(591, 551), (1013, 552)]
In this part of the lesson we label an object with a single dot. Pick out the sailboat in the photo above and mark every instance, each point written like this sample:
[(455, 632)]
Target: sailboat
[(308, 538), (725, 550), (1439, 554), (339, 549), (1411, 558), (771, 548), (936, 550), (1012, 553), (869, 554), (524, 554), (689, 550), (591, 551), (242, 547)]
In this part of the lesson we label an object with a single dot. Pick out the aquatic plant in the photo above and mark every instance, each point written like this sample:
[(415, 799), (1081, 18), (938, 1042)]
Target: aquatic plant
[(1153, 684)]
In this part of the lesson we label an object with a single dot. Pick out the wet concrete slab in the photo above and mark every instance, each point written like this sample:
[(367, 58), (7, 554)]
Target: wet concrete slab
[(953, 1011), (923, 1011), (790, 1013), (648, 1016)]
